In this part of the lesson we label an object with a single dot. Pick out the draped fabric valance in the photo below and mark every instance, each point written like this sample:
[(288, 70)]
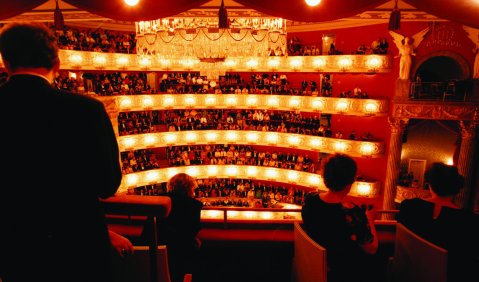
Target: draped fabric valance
[(461, 11)]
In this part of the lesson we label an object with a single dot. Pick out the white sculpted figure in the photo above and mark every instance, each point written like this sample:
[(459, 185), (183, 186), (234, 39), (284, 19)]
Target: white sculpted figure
[(406, 46), (473, 34)]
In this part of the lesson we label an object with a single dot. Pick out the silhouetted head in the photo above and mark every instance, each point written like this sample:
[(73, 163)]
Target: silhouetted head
[(339, 172), (182, 184), (443, 179), (28, 45)]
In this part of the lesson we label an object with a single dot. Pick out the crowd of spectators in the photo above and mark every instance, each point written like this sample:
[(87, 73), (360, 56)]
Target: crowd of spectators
[(239, 155), (96, 40), (104, 84), (139, 122), (234, 192)]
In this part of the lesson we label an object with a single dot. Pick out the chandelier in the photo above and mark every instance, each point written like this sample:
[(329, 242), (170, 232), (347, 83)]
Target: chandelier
[(210, 40)]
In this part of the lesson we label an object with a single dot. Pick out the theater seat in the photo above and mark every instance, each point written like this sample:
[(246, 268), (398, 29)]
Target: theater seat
[(143, 266), (309, 261), (416, 259)]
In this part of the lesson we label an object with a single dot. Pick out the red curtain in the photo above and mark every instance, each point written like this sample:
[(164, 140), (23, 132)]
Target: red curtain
[(298, 10), (12, 8), (145, 10), (464, 11)]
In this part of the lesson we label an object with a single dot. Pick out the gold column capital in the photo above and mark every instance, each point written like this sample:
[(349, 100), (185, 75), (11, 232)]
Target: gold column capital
[(397, 124)]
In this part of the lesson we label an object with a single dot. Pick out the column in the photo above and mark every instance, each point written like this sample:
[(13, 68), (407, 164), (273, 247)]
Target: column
[(394, 162), (464, 163)]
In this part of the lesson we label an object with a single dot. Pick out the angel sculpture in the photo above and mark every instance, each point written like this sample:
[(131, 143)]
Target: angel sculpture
[(473, 34), (406, 46)]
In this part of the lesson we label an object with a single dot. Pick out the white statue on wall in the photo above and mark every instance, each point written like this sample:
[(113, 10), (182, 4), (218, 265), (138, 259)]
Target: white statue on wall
[(406, 46), (473, 34)]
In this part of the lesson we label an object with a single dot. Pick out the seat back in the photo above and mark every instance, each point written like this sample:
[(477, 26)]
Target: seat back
[(138, 266), (309, 261), (416, 259)]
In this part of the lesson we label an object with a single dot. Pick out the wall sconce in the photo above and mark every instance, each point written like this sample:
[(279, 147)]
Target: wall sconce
[(231, 101), (193, 171), (210, 100), (252, 137), (188, 63), (364, 189), (315, 143), (212, 170), (339, 146), (129, 143), (190, 101), (293, 176), (373, 63), (145, 62), (152, 176), (371, 108), (164, 62), (272, 138), (319, 63), (252, 102), (230, 64), (273, 102), (126, 103), (122, 62), (170, 139), (211, 137), (366, 149), (252, 171), (296, 63), (99, 61), (271, 174), (273, 64), (76, 60), (231, 171), (314, 180), (231, 137), (168, 102), (294, 103), (293, 141), (149, 140), (131, 180), (147, 102), (317, 104), (191, 137), (252, 64), (345, 63), (171, 172), (342, 106)]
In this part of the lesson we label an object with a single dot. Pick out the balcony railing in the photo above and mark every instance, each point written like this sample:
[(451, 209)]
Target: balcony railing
[(451, 90)]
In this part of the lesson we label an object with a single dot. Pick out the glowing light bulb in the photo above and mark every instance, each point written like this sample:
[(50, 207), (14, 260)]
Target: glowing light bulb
[(313, 3), (135, 2)]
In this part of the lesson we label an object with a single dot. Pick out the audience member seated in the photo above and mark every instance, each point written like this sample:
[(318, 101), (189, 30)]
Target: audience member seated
[(442, 222), (180, 229)]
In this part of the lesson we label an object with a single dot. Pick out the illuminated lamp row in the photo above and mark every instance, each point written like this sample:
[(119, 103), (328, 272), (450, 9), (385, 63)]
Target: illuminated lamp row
[(279, 139), (215, 214), (301, 178), (339, 63), (326, 105)]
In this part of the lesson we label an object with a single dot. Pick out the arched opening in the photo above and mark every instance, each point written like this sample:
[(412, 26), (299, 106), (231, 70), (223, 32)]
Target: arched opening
[(440, 68), (441, 76)]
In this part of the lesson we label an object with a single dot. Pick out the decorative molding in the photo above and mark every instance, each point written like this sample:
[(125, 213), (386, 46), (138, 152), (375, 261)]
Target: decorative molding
[(314, 104), (436, 110), (357, 148), (403, 193)]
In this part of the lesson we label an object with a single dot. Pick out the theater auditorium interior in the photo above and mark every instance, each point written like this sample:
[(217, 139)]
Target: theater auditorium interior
[(251, 97)]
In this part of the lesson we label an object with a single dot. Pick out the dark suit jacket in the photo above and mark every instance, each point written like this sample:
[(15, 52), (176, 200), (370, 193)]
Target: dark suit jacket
[(60, 155)]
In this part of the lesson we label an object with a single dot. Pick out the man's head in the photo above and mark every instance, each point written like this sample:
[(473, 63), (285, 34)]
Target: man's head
[(28, 46), (339, 172)]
